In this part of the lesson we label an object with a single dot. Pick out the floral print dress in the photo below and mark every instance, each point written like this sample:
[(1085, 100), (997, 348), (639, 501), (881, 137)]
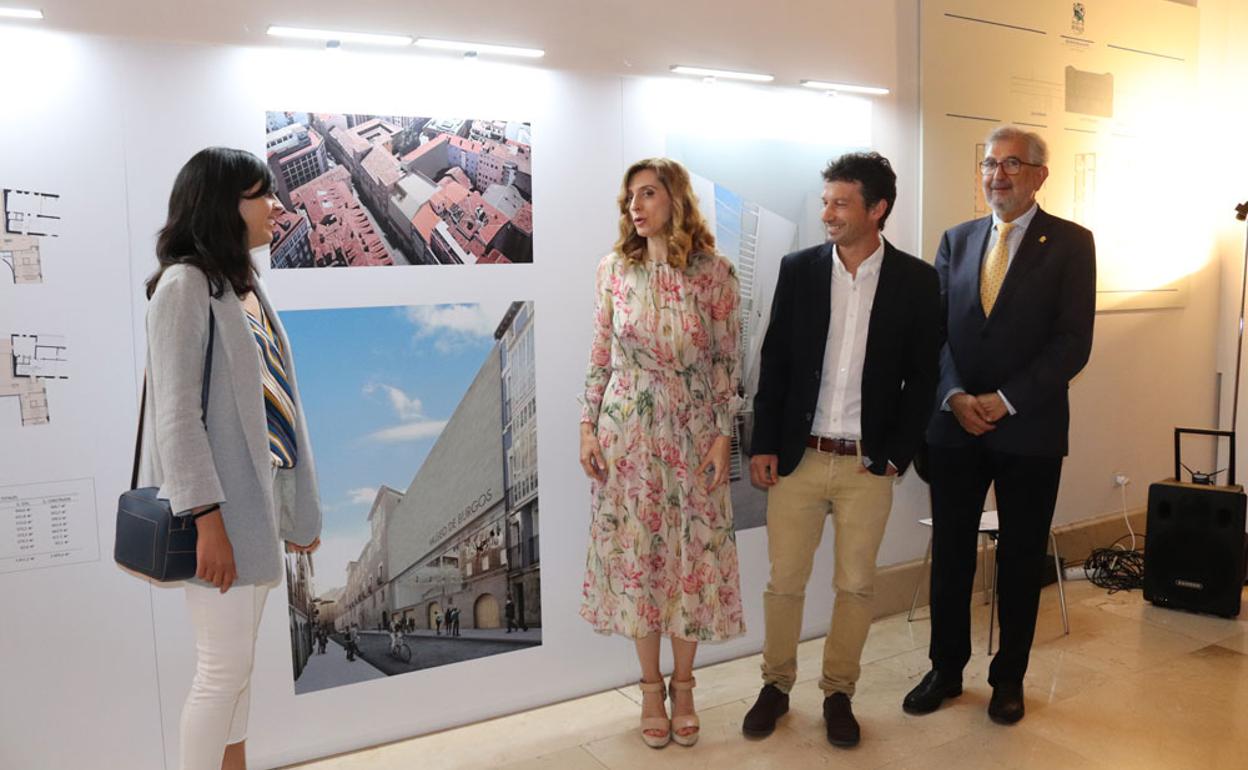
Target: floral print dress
[(661, 386)]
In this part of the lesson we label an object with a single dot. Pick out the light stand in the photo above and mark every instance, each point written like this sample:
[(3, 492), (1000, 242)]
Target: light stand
[(1241, 213)]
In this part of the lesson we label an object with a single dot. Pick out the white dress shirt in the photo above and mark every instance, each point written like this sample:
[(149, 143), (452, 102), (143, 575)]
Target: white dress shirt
[(1013, 240), (838, 412)]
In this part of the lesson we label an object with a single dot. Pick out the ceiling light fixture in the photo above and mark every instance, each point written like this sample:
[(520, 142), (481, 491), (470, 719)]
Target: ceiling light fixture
[(21, 13), (474, 49), (845, 88), (334, 36), (707, 72)]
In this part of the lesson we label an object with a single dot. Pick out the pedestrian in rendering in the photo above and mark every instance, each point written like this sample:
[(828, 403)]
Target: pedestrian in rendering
[(509, 611), (353, 639), (241, 468), (661, 393)]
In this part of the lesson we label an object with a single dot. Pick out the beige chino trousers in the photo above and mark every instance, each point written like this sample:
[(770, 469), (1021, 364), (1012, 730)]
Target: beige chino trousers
[(797, 506)]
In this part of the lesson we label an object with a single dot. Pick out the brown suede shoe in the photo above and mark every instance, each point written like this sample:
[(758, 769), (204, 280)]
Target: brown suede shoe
[(842, 727)]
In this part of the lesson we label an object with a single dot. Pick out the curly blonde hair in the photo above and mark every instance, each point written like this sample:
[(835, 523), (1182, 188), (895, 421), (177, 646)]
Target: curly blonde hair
[(687, 231)]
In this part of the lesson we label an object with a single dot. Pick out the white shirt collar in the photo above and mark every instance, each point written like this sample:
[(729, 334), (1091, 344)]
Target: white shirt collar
[(869, 267), (1020, 223)]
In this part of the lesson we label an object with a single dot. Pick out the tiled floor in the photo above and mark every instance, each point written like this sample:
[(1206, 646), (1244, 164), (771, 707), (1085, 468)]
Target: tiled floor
[(1132, 686)]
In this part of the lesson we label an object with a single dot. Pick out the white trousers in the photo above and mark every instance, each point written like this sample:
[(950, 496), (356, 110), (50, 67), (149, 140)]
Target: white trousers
[(215, 712)]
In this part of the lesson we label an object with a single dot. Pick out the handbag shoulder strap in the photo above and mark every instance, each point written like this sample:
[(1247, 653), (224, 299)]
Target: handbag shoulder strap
[(203, 399)]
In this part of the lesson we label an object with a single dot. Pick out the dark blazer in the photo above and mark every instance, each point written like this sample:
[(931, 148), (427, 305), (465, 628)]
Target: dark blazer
[(1037, 339), (898, 375)]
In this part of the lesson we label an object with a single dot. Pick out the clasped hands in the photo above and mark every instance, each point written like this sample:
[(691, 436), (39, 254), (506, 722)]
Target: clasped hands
[(978, 414)]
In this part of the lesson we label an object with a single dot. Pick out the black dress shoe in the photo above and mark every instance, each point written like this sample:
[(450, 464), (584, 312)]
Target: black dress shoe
[(928, 695), (839, 718), (1006, 705), (760, 720)]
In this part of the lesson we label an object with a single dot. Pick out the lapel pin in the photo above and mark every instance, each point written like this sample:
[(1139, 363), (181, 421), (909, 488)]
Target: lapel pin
[(1044, 238)]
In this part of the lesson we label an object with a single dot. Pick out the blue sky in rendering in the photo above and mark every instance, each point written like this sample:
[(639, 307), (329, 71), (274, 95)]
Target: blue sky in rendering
[(378, 385)]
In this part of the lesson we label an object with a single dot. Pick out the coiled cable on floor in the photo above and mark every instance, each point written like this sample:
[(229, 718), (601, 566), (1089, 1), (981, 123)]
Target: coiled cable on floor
[(1115, 568)]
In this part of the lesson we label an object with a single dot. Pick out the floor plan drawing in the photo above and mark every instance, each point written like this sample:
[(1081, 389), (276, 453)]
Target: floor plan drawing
[(21, 254), (31, 213), (45, 356), (26, 362), (28, 217)]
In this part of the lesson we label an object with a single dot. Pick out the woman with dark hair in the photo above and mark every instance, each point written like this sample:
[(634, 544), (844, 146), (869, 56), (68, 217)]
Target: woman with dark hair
[(243, 468), (656, 433)]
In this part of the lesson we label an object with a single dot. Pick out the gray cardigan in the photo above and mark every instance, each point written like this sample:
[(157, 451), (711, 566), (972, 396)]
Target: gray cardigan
[(229, 463)]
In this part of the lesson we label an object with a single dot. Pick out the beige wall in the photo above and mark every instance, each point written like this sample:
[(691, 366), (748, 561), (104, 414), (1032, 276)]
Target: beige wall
[(1224, 100), (1150, 370)]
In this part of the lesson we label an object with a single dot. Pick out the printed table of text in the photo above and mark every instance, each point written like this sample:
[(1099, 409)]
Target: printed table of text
[(47, 525)]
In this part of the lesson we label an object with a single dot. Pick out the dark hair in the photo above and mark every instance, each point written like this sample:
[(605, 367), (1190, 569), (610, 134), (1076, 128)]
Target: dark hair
[(204, 227), (872, 171)]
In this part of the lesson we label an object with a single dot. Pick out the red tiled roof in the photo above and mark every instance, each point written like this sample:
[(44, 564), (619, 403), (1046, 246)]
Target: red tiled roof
[(524, 218), (425, 221), (383, 167), (459, 175), (339, 224), (351, 141), (425, 148)]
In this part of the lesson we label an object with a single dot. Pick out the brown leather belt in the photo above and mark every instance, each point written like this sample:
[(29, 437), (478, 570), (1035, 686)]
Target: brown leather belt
[(836, 446)]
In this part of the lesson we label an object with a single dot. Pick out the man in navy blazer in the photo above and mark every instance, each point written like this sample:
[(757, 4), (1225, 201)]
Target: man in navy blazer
[(1018, 291), (846, 377)]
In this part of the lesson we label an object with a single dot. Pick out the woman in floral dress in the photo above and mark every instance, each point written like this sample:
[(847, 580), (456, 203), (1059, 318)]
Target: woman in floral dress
[(656, 432)]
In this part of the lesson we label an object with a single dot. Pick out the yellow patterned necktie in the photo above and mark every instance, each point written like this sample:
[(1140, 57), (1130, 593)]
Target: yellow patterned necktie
[(995, 264)]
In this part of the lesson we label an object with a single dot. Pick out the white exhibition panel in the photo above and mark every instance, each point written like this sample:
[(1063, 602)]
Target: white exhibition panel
[(76, 640), (108, 127)]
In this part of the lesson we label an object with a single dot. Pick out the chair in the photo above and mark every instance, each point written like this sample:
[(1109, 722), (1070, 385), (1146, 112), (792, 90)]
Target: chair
[(989, 531)]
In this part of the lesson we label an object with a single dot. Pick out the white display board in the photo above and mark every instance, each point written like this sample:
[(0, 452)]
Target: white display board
[(105, 126), (76, 634)]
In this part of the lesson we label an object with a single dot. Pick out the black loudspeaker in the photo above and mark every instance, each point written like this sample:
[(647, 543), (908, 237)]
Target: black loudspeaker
[(1194, 551)]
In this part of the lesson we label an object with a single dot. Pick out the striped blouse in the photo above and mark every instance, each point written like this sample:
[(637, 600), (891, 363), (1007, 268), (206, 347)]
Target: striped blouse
[(279, 404)]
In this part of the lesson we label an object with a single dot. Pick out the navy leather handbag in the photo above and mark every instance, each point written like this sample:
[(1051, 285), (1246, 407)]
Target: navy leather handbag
[(150, 539)]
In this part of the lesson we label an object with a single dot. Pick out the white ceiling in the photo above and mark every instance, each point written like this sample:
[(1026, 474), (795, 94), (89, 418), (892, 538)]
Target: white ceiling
[(838, 40)]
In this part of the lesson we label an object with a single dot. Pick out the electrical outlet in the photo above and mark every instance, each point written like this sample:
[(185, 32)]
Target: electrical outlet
[(1121, 479)]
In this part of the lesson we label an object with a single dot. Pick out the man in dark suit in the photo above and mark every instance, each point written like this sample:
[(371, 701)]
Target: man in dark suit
[(1019, 295), (847, 373)]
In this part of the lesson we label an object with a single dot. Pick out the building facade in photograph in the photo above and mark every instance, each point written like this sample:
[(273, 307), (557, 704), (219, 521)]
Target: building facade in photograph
[(364, 600), (446, 536), (301, 600), (464, 534), (519, 395), (296, 154), (292, 241)]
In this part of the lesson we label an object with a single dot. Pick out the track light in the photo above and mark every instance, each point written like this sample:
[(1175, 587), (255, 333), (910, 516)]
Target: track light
[(845, 88), (474, 49), (331, 37), (21, 13), (707, 72)]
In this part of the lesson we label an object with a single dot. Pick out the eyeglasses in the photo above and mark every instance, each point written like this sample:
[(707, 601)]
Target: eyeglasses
[(1011, 165)]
